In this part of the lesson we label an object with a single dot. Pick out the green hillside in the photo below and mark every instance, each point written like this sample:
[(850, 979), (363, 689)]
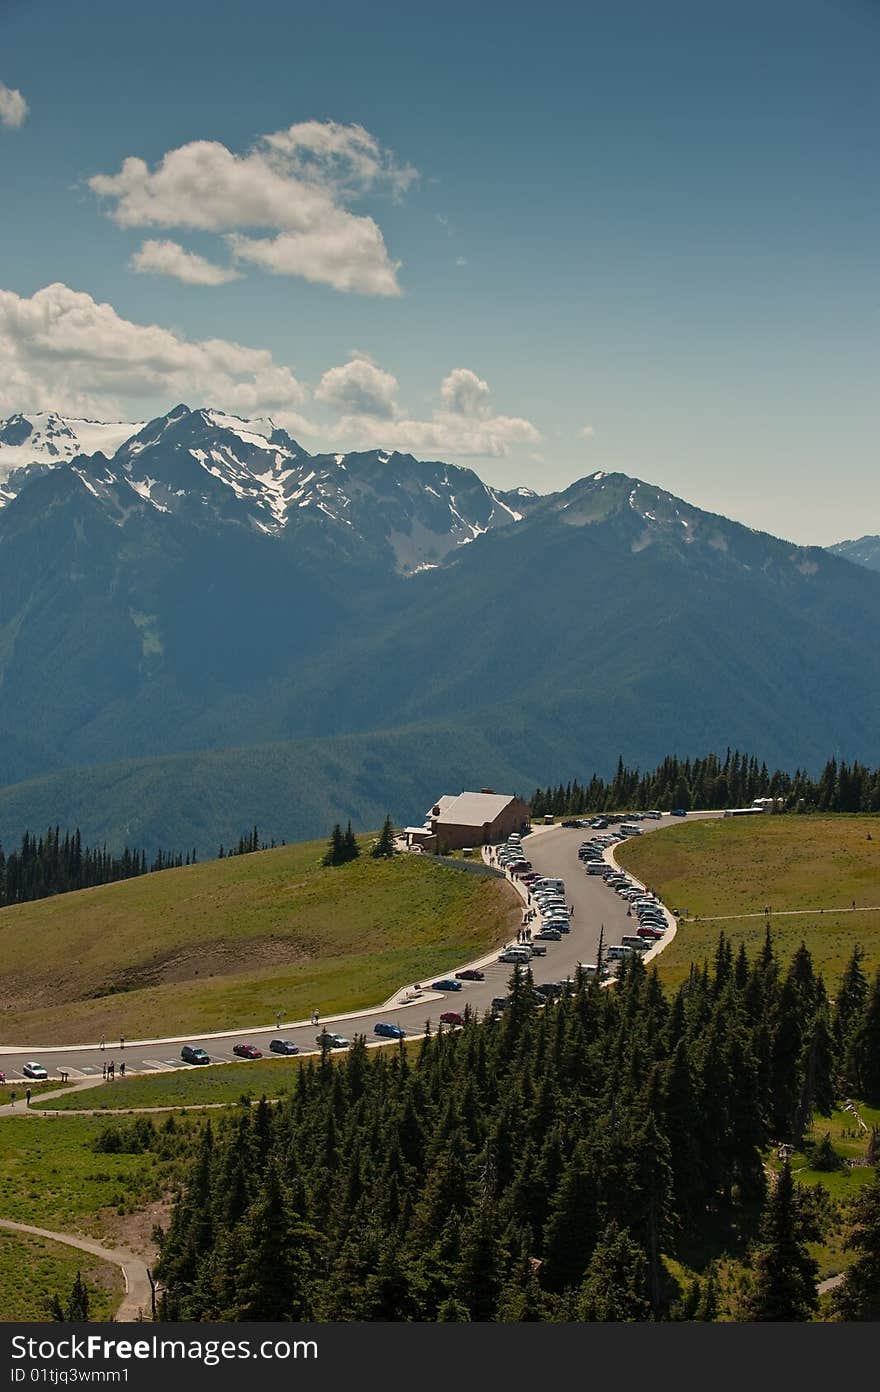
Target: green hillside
[(804, 868), (228, 943), (291, 790)]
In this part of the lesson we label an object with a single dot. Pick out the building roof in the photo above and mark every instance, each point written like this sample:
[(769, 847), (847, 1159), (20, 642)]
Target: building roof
[(442, 802), (473, 809)]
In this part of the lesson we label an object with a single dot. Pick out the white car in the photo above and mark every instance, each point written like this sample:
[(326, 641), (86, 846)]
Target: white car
[(34, 1070)]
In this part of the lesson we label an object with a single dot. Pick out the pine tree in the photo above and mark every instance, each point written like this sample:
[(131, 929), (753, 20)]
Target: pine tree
[(866, 1045), (784, 1285), (384, 847), (350, 847), (859, 1296), (615, 1285), (335, 852)]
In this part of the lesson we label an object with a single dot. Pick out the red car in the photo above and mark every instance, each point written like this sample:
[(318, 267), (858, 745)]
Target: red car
[(249, 1051), (470, 974), (652, 933), (451, 1017)]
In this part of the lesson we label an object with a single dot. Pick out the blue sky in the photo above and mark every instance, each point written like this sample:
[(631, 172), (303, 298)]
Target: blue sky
[(540, 240)]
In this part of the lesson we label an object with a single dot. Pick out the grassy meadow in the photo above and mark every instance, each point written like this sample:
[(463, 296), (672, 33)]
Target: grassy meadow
[(739, 865), (33, 1269), (227, 943)]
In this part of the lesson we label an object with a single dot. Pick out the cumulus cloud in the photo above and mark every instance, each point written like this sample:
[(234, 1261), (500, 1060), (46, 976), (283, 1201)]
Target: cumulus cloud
[(465, 394), (62, 350), (464, 424), (359, 388), (171, 259), (13, 107), (294, 184)]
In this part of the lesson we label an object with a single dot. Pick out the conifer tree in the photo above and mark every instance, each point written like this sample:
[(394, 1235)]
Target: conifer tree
[(615, 1285), (859, 1296), (335, 852), (384, 847), (784, 1284), (866, 1045), (350, 847)]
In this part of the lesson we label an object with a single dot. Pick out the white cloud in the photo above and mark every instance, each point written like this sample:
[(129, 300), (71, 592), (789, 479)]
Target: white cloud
[(465, 394), (463, 425), (294, 184), (586, 432), (171, 259), (13, 107), (62, 350), (347, 157), (359, 388)]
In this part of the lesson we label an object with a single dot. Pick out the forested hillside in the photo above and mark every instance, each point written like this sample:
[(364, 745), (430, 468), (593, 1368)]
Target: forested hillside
[(538, 1166)]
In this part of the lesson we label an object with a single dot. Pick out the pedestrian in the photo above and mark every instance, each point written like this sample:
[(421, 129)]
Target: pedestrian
[(12, 1097), (571, 911), (110, 1069), (854, 903), (122, 1041), (122, 1068), (104, 1069), (27, 1097), (102, 1043), (277, 1019)]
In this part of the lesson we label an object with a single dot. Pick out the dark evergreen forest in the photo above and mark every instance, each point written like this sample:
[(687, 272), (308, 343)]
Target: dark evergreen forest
[(712, 782), (538, 1164), (56, 863)]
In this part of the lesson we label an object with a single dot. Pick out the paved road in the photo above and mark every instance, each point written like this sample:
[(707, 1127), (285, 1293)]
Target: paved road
[(136, 1303), (553, 851)]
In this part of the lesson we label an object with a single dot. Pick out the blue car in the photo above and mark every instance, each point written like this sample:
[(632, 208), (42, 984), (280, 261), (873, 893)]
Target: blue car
[(389, 1031), (447, 984)]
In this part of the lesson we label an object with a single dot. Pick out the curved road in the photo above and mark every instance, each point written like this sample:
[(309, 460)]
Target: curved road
[(553, 851)]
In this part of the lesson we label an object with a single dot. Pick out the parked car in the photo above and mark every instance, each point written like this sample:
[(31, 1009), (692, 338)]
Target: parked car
[(34, 1070), (500, 1002), (446, 984), (191, 1054), (389, 1031), (326, 1039), (515, 954), (538, 949), (248, 1051), (549, 935), (652, 934), (284, 1046), (470, 974), (678, 812), (451, 1017)]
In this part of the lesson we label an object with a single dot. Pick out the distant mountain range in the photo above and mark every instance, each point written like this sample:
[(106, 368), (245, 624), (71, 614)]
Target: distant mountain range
[(864, 551), (201, 585)]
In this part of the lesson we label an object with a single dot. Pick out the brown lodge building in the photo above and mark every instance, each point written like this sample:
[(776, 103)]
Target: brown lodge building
[(470, 819)]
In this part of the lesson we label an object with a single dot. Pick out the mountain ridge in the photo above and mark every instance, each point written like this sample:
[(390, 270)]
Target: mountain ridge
[(178, 617)]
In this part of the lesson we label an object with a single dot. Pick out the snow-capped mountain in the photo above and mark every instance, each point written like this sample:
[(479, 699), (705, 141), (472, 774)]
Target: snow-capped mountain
[(44, 439), (203, 462)]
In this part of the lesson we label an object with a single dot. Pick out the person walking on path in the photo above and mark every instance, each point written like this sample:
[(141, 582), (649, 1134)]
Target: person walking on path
[(122, 1069), (101, 1046), (104, 1070), (277, 1019), (122, 1041), (12, 1097), (110, 1069), (27, 1097)]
